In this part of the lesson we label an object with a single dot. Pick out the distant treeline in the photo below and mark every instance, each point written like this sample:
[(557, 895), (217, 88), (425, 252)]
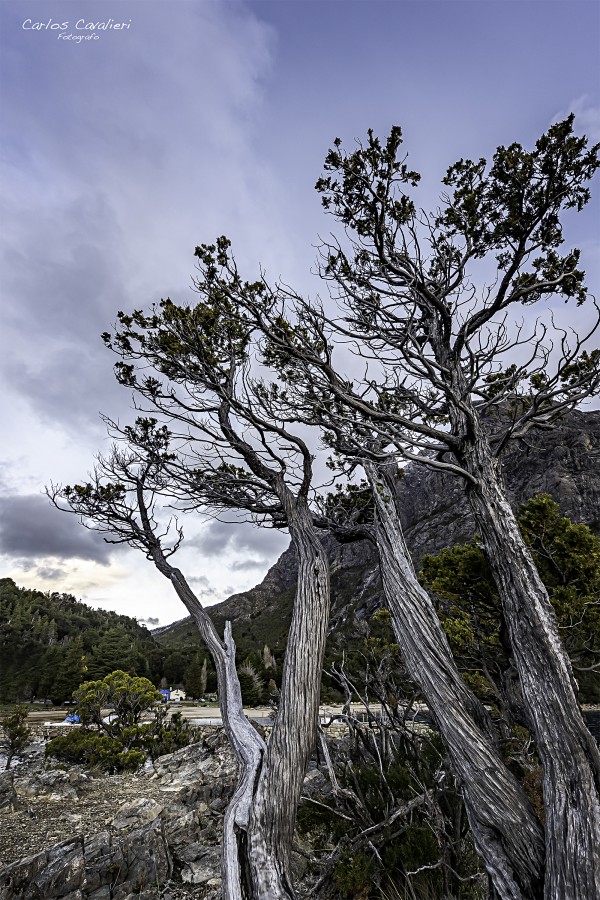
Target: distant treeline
[(50, 643)]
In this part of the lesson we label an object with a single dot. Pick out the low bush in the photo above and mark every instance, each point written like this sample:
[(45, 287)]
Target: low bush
[(95, 750), (128, 748)]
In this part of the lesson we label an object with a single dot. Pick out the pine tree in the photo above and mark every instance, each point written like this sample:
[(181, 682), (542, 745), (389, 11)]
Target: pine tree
[(16, 732), (195, 677), (70, 673), (49, 665), (114, 651), (251, 685), (567, 556)]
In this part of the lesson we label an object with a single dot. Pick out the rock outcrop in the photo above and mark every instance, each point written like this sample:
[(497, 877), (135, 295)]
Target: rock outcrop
[(149, 841), (564, 463), (101, 868), (55, 784)]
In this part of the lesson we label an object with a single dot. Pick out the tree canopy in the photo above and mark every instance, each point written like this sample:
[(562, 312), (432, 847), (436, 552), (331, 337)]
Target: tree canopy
[(128, 697)]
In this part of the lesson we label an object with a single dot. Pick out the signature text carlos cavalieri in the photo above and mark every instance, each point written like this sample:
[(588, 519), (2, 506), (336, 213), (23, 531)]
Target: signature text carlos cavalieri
[(85, 28)]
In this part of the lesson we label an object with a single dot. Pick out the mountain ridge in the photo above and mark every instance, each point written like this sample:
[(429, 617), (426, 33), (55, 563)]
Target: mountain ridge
[(563, 462)]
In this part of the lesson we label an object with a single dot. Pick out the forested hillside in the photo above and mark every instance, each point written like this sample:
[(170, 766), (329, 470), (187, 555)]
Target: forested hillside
[(50, 643)]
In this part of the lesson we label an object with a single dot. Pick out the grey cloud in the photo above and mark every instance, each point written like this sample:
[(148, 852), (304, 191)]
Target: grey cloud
[(104, 214), (27, 565), (72, 387), (77, 274), (262, 541), (50, 573), (55, 357), (122, 155), (203, 586), (30, 528), (247, 565), (42, 571), (214, 539), (260, 544), (151, 620)]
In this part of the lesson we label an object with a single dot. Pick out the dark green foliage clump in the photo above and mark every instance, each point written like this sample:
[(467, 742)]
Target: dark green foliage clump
[(51, 643), (251, 684), (164, 735), (122, 741), (127, 751), (196, 677), (428, 853), (354, 875), (90, 748), (129, 697), (567, 556)]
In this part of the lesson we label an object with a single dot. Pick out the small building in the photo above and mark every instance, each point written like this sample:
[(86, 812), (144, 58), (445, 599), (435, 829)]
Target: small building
[(177, 696), (166, 694)]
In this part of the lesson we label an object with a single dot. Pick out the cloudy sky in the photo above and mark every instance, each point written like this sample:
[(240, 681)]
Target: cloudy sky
[(122, 152)]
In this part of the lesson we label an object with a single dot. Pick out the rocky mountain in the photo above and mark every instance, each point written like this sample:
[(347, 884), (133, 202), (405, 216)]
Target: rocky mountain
[(74, 835), (564, 462)]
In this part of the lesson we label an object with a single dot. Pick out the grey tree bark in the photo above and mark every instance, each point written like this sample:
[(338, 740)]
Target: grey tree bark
[(260, 819), (506, 832), (247, 744), (294, 732), (568, 753), (450, 350)]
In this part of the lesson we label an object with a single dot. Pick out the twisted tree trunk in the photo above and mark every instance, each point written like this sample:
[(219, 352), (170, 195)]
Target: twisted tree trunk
[(248, 746), (568, 753), (259, 821), (505, 829), (294, 732)]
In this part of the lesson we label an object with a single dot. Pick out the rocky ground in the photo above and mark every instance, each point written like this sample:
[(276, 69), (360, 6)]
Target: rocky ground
[(43, 820), (76, 834)]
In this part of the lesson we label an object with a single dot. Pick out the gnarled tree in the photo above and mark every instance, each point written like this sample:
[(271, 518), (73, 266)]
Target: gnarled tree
[(210, 442), (505, 828), (453, 379)]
